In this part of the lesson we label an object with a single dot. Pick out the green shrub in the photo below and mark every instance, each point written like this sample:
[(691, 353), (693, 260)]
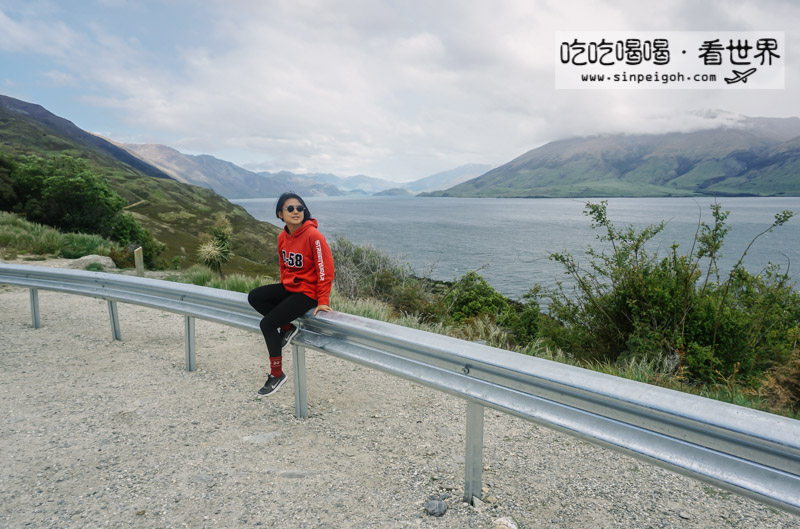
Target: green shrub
[(65, 193), (472, 296), (130, 234), (524, 318), (630, 304)]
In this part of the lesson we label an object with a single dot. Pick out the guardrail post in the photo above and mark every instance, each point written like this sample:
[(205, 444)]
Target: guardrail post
[(138, 260), (474, 458), (300, 382), (113, 315), (36, 320), (191, 361)]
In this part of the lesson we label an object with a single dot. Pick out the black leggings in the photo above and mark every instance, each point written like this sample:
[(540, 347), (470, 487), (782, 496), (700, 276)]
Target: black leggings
[(279, 307)]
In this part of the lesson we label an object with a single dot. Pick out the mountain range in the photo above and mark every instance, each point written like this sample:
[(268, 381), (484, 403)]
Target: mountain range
[(447, 179), (232, 181), (750, 157), (755, 157), (176, 213), (224, 178), (176, 196)]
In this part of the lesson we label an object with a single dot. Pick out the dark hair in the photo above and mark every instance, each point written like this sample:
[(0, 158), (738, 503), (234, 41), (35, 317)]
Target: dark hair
[(286, 196)]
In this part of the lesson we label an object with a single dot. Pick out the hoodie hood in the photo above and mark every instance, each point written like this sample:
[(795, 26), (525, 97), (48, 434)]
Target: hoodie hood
[(310, 223)]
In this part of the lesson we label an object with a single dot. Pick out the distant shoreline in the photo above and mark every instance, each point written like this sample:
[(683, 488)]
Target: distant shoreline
[(510, 240)]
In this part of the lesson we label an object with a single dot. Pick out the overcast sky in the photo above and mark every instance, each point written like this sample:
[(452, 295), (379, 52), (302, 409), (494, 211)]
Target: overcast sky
[(392, 89)]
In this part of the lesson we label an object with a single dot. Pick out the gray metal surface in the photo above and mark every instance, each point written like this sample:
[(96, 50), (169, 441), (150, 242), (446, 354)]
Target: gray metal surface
[(300, 382), (746, 451), (36, 320), (113, 316), (473, 460), (191, 356)]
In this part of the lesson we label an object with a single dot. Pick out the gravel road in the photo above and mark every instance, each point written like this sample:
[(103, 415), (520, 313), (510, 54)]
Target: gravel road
[(97, 433)]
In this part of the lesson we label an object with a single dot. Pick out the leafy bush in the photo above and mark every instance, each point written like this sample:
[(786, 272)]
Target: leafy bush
[(524, 320), (130, 234), (473, 296), (64, 192), (631, 304)]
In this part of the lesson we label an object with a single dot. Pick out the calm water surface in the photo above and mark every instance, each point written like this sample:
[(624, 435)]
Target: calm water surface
[(509, 240)]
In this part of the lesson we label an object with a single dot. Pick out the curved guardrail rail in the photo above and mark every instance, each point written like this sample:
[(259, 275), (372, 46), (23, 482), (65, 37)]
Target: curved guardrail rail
[(748, 452)]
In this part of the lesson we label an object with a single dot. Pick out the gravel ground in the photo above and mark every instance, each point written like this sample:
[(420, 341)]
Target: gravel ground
[(97, 433)]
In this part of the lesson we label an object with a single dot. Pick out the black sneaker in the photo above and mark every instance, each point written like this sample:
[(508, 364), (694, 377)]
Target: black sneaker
[(286, 336), (271, 385)]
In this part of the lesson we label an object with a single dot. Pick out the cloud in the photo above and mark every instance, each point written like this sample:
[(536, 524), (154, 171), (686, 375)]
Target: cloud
[(393, 89), (60, 78), (52, 38)]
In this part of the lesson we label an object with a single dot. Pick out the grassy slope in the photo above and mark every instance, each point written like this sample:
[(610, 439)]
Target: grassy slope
[(178, 214), (704, 163)]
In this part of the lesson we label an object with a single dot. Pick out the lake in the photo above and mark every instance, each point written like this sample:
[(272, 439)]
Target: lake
[(509, 240)]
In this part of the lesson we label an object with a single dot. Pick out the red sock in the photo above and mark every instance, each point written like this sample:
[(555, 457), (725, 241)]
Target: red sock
[(284, 328), (276, 365)]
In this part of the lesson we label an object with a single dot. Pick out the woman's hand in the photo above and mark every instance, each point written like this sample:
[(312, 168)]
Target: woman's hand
[(323, 308)]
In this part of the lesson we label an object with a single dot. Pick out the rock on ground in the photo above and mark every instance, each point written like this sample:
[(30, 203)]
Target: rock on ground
[(82, 262)]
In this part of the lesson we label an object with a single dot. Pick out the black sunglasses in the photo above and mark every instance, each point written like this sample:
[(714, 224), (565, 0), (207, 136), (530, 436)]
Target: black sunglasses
[(291, 209)]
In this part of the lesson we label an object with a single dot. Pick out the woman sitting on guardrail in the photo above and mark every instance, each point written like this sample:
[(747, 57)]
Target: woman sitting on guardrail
[(306, 265)]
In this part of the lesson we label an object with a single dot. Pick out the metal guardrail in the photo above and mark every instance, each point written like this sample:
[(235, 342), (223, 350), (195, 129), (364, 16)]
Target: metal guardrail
[(751, 453)]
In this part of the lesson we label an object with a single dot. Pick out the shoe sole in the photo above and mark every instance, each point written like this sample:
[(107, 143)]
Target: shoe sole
[(292, 334), (281, 383)]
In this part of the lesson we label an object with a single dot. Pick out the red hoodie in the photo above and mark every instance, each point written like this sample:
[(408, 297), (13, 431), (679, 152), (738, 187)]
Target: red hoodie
[(306, 262)]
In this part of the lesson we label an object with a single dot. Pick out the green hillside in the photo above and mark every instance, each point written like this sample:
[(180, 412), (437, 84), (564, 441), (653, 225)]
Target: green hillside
[(178, 214), (760, 158)]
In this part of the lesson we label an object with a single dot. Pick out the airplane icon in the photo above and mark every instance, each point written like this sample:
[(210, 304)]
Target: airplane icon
[(740, 76)]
